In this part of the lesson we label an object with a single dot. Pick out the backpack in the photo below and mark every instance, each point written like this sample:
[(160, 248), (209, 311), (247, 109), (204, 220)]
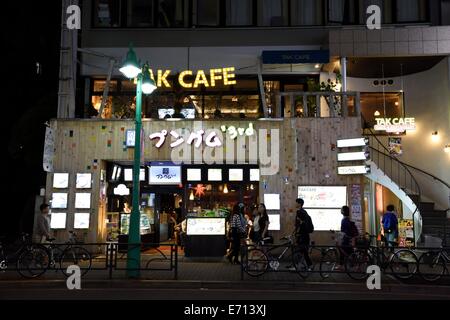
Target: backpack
[(353, 230), (309, 224)]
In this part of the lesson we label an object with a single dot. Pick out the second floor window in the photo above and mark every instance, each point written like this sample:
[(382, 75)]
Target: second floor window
[(272, 13), (239, 12), (141, 13)]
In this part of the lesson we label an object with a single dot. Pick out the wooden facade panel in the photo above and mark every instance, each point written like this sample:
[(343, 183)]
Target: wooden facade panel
[(306, 156)]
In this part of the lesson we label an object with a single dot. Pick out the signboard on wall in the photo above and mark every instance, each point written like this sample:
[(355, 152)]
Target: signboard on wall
[(164, 175), (356, 209), (395, 124), (323, 196), (406, 232), (205, 226), (325, 219), (395, 146)]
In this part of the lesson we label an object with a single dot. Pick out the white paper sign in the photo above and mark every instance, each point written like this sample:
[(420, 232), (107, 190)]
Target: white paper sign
[(60, 180), (59, 200), (58, 220), (205, 226), (82, 200), (325, 219), (274, 221), (272, 201), (49, 150), (81, 220), (323, 196)]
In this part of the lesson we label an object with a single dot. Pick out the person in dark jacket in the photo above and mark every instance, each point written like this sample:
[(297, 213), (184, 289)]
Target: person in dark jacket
[(346, 229), (303, 227), (390, 225), (237, 230)]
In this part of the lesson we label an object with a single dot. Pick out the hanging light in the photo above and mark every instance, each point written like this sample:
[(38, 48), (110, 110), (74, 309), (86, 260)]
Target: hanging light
[(447, 148), (252, 187), (434, 136), (225, 189), (191, 196)]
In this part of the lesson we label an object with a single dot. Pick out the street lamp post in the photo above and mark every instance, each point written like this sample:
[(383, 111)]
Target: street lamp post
[(145, 84)]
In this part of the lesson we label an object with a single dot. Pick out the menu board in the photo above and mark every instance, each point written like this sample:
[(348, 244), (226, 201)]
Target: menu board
[(325, 219), (323, 196), (83, 180), (274, 221), (406, 232), (81, 220), (272, 201), (215, 174), (82, 200), (125, 223), (58, 220), (236, 174), (205, 226), (60, 180), (59, 200)]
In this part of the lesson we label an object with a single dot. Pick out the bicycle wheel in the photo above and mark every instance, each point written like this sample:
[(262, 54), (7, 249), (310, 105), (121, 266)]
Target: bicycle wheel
[(76, 256), (431, 266), (256, 263), (328, 262), (356, 265), (33, 262), (300, 265), (403, 264)]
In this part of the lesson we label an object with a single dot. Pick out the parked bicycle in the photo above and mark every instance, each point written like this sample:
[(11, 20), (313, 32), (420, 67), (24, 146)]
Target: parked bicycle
[(433, 264), (401, 262), (73, 254), (261, 257), (30, 259)]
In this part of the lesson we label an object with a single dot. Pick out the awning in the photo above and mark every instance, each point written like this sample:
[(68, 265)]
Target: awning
[(295, 56)]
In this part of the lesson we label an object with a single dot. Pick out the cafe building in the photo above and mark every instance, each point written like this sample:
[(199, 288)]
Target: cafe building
[(251, 110)]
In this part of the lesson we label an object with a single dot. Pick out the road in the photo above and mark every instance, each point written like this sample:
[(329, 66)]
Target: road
[(182, 290)]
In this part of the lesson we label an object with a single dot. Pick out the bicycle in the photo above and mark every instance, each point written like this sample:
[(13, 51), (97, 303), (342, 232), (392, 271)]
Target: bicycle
[(433, 264), (73, 254), (402, 262), (30, 259), (259, 258), (330, 258)]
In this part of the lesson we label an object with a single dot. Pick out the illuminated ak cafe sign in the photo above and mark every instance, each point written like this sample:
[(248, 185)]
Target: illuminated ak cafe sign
[(395, 124), (226, 75)]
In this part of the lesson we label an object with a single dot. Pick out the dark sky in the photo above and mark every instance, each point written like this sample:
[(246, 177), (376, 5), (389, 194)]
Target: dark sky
[(30, 34)]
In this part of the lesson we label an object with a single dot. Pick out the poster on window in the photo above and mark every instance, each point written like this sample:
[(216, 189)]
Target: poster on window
[(395, 146), (355, 206), (405, 233)]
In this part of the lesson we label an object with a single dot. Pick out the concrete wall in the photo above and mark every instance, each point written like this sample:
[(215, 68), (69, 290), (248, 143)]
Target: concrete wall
[(427, 98)]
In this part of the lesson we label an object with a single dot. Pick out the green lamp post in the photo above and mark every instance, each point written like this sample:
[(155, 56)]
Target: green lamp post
[(145, 84)]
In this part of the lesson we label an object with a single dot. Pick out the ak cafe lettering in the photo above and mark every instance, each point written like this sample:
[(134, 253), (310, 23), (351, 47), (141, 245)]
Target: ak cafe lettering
[(191, 79), (395, 124)]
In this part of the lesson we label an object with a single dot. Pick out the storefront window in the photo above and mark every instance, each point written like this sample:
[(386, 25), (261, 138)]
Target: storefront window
[(411, 11), (140, 13), (171, 13), (239, 12), (107, 13), (306, 12), (376, 105), (272, 13), (208, 12)]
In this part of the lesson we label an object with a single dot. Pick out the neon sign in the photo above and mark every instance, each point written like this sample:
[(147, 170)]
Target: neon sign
[(395, 124), (226, 75)]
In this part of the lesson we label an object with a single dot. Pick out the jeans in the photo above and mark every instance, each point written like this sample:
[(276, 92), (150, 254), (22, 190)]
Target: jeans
[(235, 244), (389, 238)]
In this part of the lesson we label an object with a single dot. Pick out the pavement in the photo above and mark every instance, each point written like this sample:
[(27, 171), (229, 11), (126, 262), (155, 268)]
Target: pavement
[(212, 280)]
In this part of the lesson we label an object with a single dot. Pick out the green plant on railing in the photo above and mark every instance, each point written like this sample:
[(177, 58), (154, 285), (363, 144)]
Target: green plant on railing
[(333, 86), (310, 109)]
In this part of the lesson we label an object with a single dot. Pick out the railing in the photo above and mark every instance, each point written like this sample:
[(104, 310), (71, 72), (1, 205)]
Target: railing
[(319, 104)]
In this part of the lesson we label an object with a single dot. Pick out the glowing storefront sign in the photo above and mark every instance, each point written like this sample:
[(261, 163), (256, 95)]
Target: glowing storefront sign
[(395, 124), (226, 75), (353, 170)]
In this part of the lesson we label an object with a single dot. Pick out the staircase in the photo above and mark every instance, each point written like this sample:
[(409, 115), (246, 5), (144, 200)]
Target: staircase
[(427, 219)]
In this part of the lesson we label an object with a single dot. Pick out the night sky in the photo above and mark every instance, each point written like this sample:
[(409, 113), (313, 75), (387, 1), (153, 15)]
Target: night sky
[(30, 34)]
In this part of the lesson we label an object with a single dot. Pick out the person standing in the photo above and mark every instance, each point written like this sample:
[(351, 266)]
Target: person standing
[(349, 232), (237, 231), (303, 228), (262, 223), (43, 224), (390, 226)]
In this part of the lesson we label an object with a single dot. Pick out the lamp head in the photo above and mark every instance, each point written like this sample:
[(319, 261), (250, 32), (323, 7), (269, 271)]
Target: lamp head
[(130, 67), (148, 84)]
